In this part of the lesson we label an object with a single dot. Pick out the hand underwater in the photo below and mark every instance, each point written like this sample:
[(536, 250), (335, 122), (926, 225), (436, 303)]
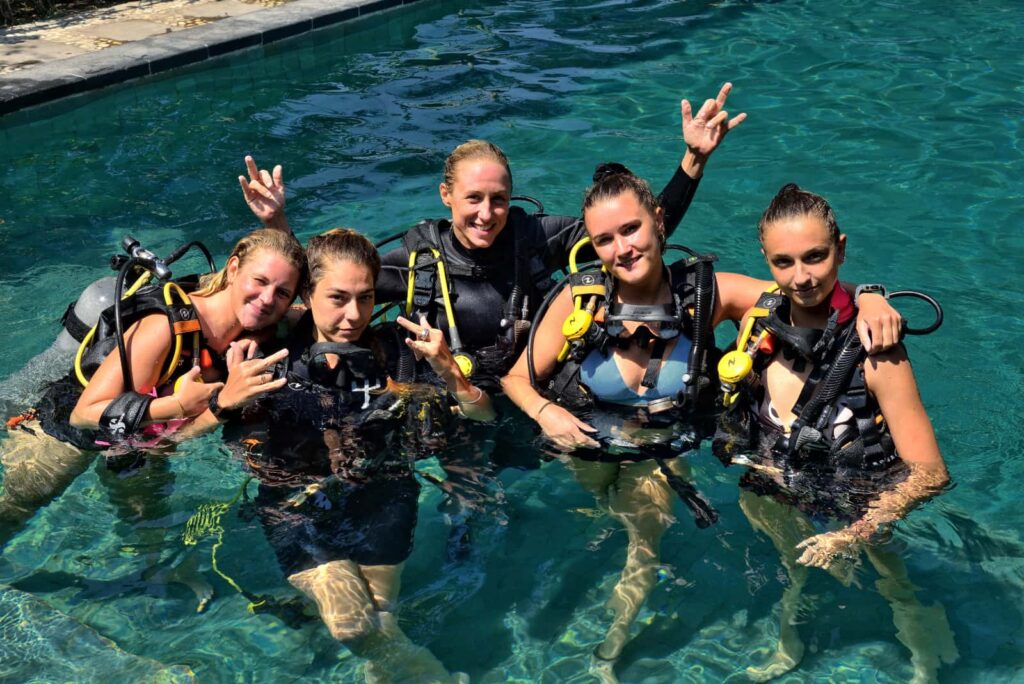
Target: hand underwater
[(828, 549)]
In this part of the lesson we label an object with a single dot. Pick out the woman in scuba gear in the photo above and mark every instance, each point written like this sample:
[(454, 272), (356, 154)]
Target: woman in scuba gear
[(828, 434), (643, 353), (338, 492), (494, 292), (253, 291), (479, 275)]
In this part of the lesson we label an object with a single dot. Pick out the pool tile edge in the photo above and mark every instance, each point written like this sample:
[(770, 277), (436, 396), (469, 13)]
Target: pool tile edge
[(56, 80)]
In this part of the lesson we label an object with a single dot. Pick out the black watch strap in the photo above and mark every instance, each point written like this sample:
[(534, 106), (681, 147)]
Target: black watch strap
[(219, 412), (870, 288)]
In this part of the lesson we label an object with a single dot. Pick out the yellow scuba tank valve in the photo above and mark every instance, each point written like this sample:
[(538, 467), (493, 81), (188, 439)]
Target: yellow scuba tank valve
[(735, 366)]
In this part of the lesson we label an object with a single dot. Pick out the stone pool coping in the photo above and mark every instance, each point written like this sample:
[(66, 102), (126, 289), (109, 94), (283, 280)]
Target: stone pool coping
[(53, 79)]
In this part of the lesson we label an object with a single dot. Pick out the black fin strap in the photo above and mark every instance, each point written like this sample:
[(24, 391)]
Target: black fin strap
[(704, 514), (123, 416), (654, 365)]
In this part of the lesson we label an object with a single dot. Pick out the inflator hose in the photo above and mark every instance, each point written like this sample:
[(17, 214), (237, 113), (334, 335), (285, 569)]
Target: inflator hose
[(698, 352)]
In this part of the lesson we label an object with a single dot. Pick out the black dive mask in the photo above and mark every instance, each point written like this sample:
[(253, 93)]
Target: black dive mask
[(356, 368), (660, 321)]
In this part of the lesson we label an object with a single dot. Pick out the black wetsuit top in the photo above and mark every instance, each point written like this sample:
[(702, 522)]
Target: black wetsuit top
[(317, 426), (336, 460), (479, 302)]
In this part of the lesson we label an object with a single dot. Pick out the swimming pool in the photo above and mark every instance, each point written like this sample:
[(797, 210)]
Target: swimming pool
[(907, 116)]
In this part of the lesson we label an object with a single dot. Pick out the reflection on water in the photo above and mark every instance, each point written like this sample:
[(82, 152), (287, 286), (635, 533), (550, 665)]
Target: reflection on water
[(902, 114)]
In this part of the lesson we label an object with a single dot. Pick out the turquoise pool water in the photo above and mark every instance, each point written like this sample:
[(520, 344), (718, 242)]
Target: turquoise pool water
[(908, 116)]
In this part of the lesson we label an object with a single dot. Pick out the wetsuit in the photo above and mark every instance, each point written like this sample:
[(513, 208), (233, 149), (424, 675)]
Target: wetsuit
[(335, 457), (482, 280), (851, 457)]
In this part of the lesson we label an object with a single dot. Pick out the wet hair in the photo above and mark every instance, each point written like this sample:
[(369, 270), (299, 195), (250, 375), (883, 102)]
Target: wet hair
[(339, 244), (277, 241), (474, 149), (611, 179), (792, 202)]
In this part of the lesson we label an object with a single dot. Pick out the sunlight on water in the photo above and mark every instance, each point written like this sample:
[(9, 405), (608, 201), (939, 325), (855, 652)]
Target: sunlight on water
[(907, 116)]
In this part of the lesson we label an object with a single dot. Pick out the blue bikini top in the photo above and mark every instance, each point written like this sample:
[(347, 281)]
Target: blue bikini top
[(602, 377)]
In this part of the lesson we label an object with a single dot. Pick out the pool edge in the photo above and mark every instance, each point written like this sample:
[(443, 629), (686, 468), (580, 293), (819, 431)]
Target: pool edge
[(56, 80)]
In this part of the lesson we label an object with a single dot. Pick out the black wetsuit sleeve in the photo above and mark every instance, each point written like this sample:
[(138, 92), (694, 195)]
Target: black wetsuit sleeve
[(392, 281), (562, 232), (675, 198)]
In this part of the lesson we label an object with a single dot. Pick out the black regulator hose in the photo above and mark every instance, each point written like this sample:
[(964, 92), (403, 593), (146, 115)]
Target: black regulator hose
[(126, 369), (934, 304), (698, 352), (828, 389), (180, 252), (704, 514), (537, 318)]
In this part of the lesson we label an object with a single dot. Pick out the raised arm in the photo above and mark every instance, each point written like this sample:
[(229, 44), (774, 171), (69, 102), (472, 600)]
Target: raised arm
[(559, 425), (702, 134), (264, 193)]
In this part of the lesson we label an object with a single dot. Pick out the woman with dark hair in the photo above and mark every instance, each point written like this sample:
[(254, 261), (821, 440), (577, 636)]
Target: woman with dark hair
[(620, 376), (338, 495), (497, 258), (837, 444), (479, 275)]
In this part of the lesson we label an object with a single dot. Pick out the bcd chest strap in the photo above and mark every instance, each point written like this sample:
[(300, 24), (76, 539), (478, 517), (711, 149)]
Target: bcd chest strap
[(693, 288)]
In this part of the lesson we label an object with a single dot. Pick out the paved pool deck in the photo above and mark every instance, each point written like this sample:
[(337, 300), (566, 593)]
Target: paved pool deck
[(50, 60)]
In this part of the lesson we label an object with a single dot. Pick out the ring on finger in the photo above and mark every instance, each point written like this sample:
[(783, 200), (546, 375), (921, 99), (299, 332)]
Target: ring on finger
[(424, 334)]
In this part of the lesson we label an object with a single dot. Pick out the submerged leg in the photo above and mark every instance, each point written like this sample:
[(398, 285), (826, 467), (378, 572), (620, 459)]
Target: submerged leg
[(923, 630), (355, 604), (786, 527), (595, 477), (37, 469), (641, 499)]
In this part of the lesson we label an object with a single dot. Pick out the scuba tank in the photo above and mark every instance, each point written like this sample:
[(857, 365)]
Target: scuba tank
[(22, 388), (82, 316), (84, 312)]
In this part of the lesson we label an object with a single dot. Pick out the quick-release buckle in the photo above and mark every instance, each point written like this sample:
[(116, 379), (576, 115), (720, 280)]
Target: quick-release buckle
[(424, 282)]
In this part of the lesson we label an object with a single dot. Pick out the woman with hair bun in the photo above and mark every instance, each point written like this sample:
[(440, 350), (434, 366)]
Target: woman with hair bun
[(620, 377), (829, 474)]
